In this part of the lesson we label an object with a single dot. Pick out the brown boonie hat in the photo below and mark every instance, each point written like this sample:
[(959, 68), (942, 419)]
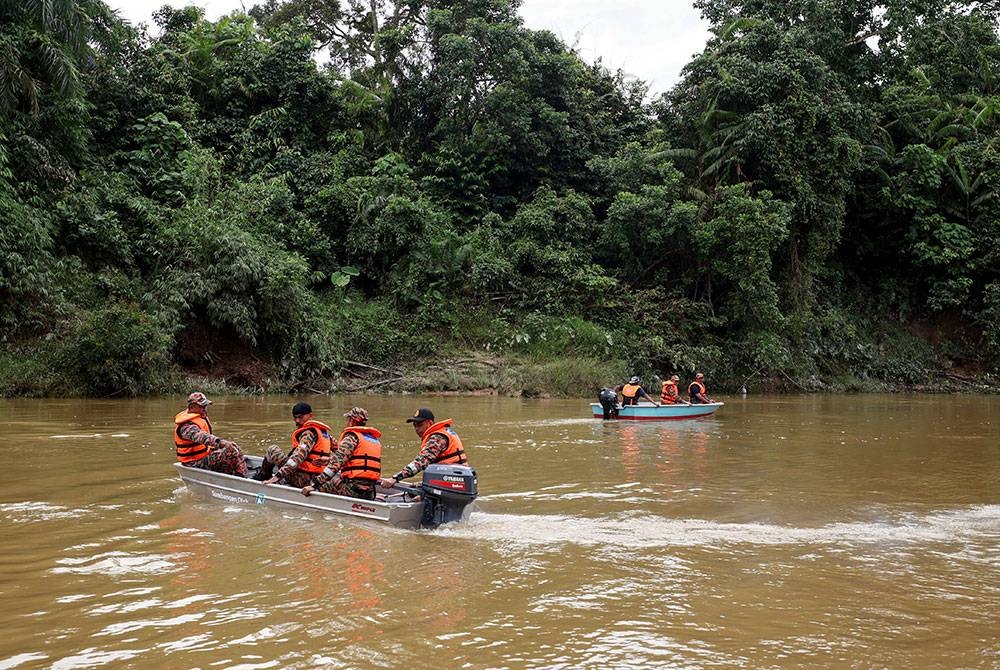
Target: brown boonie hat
[(359, 413), (198, 398)]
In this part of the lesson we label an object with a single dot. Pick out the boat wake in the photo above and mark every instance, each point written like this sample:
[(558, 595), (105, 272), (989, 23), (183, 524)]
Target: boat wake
[(955, 525)]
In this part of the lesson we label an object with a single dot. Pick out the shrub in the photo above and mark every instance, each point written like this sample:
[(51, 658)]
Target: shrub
[(375, 331), (29, 371), (574, 377), (25, 263), (116, 350), (545, 336)]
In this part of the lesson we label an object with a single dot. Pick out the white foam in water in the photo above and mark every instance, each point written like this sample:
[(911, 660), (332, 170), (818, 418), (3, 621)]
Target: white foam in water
[(20, 659), (115, 563), (650, 531), (27, 511)]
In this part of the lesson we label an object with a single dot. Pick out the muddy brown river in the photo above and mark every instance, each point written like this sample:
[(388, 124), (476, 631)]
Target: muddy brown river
[(782, 532)]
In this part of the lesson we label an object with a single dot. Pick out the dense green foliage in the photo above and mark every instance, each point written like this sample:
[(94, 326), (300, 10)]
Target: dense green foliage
[(814, 203)]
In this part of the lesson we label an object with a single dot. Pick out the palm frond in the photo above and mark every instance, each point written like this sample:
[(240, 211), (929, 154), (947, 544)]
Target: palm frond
[(16, 84), (58, 66)]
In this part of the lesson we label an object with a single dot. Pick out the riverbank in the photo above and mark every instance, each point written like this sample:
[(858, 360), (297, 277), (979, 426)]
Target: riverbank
[(473, 373), (30, 372), (469, 373)]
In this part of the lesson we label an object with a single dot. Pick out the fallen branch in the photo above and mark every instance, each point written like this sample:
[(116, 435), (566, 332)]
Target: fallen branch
[(374, 384), (959, 378), (477, 361), (759, 370), (369, 367), (793, 381)]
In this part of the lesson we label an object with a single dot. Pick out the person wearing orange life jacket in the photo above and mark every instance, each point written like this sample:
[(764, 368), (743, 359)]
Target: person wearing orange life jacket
[(310, 453), (197, 447), (698, 391), (439, 444), (669, 394), (356, 462), (632, 392)]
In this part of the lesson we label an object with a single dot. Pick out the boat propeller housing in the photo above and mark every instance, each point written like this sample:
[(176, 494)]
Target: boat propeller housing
[(447, 490)]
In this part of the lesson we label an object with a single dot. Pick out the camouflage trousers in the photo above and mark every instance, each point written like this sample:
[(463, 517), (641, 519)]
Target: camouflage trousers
[(344, 487), (228, 460), (274, 459)]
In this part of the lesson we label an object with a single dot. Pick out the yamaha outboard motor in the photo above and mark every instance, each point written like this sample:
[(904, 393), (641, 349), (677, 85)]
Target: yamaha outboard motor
[(609, 403), (446, 490)]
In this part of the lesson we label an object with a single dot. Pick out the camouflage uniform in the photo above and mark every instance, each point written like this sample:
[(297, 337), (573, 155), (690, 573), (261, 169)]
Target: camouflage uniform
[(228, 459), (436, 445), (286, 466), (330, 481)]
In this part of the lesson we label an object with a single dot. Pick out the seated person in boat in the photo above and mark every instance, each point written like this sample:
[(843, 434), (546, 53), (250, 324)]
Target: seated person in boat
[(632, 392), (439, 443), (669, 395), (356, 462), (197, 447), (698, 391), (310, 453)]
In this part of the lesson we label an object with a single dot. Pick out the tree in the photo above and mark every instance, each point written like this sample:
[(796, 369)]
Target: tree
[(41, 44), (761, 106)]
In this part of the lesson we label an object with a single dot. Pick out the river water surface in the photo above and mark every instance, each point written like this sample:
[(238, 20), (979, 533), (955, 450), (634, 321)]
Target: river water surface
[(783, 532)]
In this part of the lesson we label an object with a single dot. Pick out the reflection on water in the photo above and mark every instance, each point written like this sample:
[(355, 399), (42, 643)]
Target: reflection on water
[(782, 532)]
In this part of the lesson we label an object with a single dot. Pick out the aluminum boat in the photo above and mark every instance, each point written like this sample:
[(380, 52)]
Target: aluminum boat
[(442, 497)]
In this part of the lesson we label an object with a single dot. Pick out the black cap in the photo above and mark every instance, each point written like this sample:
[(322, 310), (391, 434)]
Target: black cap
[(301, 409), (422, 414)]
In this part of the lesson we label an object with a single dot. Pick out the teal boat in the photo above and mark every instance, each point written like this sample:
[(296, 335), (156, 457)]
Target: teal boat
[(647, 412)]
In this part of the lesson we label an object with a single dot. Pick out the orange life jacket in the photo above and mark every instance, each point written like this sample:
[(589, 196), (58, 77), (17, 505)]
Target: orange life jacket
[(630, 390), (319, 455), (365, 462), (668, 393), (696, 387), (454, 453), (187, 451)]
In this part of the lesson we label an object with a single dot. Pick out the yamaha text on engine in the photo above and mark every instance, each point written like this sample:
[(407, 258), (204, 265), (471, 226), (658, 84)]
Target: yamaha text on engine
[(446, 490)]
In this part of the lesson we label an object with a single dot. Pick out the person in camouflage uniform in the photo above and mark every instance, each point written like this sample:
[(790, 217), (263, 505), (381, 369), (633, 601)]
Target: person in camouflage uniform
[(197, 447), (439, 444), (296, 467), (331, 481)]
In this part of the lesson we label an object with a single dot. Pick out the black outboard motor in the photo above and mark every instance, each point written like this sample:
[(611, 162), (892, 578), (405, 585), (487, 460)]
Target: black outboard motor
[(446, 490), (609, 403)]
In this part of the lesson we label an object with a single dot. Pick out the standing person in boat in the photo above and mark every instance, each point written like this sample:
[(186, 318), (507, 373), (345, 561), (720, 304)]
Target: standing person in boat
[(698, 391), (356, 463), (669, 395), (609, 403), (310, 452), (439, 443), (632, 392), (197, 447)]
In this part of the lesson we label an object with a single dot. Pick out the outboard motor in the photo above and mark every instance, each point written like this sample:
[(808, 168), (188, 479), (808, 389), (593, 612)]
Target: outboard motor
[(609, 403), (446, 490)]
